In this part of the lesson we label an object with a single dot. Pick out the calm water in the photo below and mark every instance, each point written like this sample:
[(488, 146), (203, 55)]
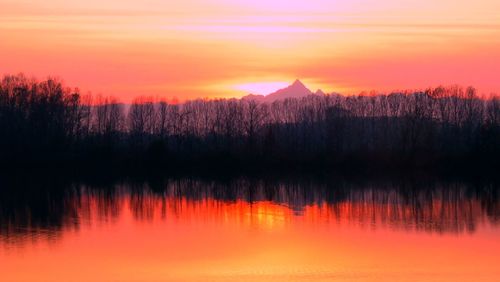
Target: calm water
[(249, 230)]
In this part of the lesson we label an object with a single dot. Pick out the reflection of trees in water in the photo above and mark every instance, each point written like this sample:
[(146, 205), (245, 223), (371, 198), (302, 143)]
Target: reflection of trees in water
[(44, 210), (451, 207)]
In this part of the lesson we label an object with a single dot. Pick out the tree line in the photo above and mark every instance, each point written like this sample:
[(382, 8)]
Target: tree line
[(45, 122)]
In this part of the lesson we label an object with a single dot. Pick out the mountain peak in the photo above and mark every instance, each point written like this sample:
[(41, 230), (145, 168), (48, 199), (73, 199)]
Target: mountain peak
[(297, 82), (296, 90), (319, 92)]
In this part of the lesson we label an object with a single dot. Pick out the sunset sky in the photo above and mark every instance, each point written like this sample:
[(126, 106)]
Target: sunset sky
[(221, 48)]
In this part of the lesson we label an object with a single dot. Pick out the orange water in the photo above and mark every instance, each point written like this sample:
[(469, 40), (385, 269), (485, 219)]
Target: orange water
[(364, 235)]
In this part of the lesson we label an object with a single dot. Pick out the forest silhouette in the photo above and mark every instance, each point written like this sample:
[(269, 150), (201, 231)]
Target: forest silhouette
[(45, 123)]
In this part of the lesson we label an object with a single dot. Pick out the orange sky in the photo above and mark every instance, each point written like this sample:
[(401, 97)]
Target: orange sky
[(224, 48)]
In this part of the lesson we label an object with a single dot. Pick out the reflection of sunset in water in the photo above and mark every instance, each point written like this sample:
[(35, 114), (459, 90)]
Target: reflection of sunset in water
[(199, 233)]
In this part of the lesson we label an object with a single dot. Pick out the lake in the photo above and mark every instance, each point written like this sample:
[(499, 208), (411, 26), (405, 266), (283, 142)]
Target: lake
[(248, 229)]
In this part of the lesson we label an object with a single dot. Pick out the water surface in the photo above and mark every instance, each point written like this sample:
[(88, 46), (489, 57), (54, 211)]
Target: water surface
[(249, 230)]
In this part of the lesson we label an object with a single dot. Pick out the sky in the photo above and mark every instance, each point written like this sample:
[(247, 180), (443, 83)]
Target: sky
[(220, 48)]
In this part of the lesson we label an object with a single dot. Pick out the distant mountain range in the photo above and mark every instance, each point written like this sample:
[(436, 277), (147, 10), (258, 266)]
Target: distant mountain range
[(296, 90)]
